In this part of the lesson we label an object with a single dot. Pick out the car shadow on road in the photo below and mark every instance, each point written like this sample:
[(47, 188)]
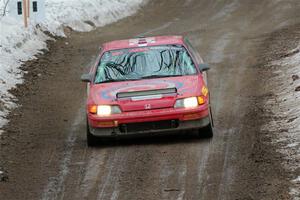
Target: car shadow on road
[(166, 139)]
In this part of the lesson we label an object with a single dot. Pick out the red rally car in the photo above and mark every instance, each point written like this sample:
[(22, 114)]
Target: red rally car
[(147, 85)]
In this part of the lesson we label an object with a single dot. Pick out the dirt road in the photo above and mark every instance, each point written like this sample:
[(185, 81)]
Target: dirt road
[(44, 147)]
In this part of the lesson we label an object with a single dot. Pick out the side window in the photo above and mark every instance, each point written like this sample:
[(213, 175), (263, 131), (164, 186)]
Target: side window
[(194, 52)]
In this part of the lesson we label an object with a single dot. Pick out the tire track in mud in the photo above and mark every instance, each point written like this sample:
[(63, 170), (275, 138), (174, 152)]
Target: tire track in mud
[(110, 181), (92, 170), (55, 187), (173, 179)]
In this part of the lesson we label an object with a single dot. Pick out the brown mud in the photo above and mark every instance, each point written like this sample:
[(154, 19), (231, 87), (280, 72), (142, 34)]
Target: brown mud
[(43, 148)]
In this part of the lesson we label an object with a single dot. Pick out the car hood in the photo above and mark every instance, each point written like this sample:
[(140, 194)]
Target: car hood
[(107, 92)]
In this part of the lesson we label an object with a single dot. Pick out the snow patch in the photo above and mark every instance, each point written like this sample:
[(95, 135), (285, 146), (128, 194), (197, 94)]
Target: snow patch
[(297, 180), (285, 108), (18, 44), (3, 176)]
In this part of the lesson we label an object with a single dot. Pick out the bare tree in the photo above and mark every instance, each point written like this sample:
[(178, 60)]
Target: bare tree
[(3, 8)]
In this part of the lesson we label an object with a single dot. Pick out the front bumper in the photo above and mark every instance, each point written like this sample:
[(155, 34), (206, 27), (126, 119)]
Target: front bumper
[(149, 122), (149, 116), (117, 131)]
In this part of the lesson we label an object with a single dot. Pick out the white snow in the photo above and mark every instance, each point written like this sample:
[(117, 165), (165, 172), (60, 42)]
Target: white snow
[(297, 180), (18, 44), (286, 108)]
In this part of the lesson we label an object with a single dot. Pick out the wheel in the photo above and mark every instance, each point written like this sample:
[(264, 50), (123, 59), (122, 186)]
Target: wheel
[(90, 138), (206, 132)]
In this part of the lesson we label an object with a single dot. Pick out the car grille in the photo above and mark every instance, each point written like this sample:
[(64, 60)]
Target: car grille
[(147, 126)]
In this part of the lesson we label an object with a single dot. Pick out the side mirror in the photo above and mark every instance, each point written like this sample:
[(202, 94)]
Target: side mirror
[(86, 78), (203, 67)]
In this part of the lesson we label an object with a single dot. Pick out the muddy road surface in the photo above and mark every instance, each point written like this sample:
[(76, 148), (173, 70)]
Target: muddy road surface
[(43, 148)]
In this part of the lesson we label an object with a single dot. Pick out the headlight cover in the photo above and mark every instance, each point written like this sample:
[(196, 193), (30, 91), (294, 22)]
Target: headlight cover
[(190, 102), (105, 110)]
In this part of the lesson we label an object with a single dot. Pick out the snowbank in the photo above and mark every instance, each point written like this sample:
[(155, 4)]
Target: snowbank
[(285, 106), (18, 44)]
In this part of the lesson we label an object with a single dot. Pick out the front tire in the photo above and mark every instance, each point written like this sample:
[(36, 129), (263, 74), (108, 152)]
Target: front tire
[(206, 132), (90, 138)]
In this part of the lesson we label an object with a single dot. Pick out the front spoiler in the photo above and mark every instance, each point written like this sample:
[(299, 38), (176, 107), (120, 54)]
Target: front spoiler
[(183, 125)]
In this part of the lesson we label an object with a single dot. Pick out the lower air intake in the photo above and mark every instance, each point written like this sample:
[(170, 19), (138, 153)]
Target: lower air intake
[(147, 126)]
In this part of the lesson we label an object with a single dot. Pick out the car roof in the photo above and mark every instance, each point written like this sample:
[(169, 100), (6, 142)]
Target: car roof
[(142, 41)]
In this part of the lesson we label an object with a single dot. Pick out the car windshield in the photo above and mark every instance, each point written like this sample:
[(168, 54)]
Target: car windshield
[(144, 62)]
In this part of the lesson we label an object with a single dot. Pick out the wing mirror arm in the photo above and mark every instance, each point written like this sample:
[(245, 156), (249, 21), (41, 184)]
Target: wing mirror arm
[(87, 78), (203, 67)]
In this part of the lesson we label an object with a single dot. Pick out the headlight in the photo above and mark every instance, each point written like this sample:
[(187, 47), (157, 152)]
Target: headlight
[(190, 102), (105, 110)]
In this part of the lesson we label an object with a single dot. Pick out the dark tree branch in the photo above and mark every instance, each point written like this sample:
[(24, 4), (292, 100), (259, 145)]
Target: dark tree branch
[(5, 4)]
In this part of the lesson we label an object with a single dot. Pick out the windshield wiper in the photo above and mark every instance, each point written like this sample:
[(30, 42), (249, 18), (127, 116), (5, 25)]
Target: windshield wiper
[(117, 80), (158, 76)]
